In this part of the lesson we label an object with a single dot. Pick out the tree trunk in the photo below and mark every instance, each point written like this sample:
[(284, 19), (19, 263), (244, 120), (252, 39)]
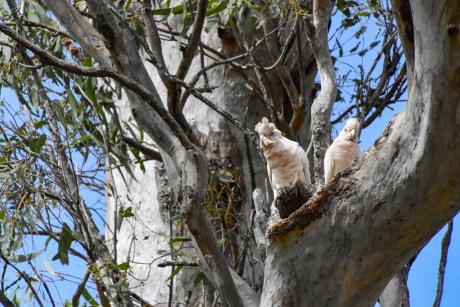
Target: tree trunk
[(342, 247)]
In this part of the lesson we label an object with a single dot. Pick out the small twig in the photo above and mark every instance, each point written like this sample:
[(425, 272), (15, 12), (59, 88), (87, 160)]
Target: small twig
[(5, 301), (285, 47), (148, 152), (267, 99), (242, 260), (37, 66), (176, 263), (442, 263), (79, 290), (26, 279), (29, 23), (143, 302)]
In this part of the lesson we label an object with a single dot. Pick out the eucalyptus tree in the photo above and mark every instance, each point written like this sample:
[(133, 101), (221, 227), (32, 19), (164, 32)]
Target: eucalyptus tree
[(150, 106)]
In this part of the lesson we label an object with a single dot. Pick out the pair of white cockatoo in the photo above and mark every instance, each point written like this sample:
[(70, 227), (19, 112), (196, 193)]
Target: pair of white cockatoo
[(287, 162)]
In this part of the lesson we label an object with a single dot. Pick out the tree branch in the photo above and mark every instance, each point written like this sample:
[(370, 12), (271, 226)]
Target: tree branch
[(5, 300), (152, 32), (317, 34), (403, 16), (443, 262), (148, 152), (79, 291), (26, 279), (90, 40), (174, 92)]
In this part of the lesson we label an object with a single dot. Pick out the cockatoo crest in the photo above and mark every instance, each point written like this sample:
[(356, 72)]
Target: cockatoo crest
[(267, 133), (350, 131)]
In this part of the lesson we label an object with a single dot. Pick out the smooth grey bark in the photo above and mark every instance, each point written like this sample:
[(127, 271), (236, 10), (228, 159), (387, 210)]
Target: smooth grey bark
[(91, 40), (322, 105), (396, 293), (344, 245)]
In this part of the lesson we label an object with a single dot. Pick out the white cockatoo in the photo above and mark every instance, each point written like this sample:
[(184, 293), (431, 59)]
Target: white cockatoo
[(342, 151), (287, 162)]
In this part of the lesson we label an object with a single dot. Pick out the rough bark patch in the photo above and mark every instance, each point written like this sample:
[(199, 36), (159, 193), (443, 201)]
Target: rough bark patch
[(289, 200), (309, 212), (317, 206)]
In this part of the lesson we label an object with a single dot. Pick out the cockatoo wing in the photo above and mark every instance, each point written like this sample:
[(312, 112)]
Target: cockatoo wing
[(306, 167), (328, 166), (269, 171)]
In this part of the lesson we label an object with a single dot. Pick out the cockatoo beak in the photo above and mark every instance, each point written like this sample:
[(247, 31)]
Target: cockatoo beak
[(353, 133), (265, 142)]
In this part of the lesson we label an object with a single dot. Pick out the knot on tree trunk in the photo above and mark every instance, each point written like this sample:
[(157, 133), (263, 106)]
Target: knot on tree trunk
[(291, 199)]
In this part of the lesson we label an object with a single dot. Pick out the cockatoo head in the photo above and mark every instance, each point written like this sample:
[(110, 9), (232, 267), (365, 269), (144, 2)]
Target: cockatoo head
[(351, 130), (268, 133)]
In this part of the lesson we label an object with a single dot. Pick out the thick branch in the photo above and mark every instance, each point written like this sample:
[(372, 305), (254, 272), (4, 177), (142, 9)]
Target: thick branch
[(174, 92), (91, 41), (284, 75), (322, 106), (403, 16), (152, 31)]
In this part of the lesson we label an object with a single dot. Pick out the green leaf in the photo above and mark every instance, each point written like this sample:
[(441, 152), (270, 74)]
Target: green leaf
[(6, 54), (128, 212), (73, 105), (179, 9), (364, 14), (36, 144), (65, 240), (373, 44), (217, 8), (225, 178), (340, 48), (250, 23), (89, 298), (355, 47), (34, 95), (175, 272), (179, 239), (198, 278), (39, 123), (2, 215), (37, 12), (123, 266), (122, 214), (24, 257), (90, 91)]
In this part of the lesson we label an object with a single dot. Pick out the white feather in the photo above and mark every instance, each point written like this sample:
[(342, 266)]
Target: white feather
[(287, 162), (342, 151)]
